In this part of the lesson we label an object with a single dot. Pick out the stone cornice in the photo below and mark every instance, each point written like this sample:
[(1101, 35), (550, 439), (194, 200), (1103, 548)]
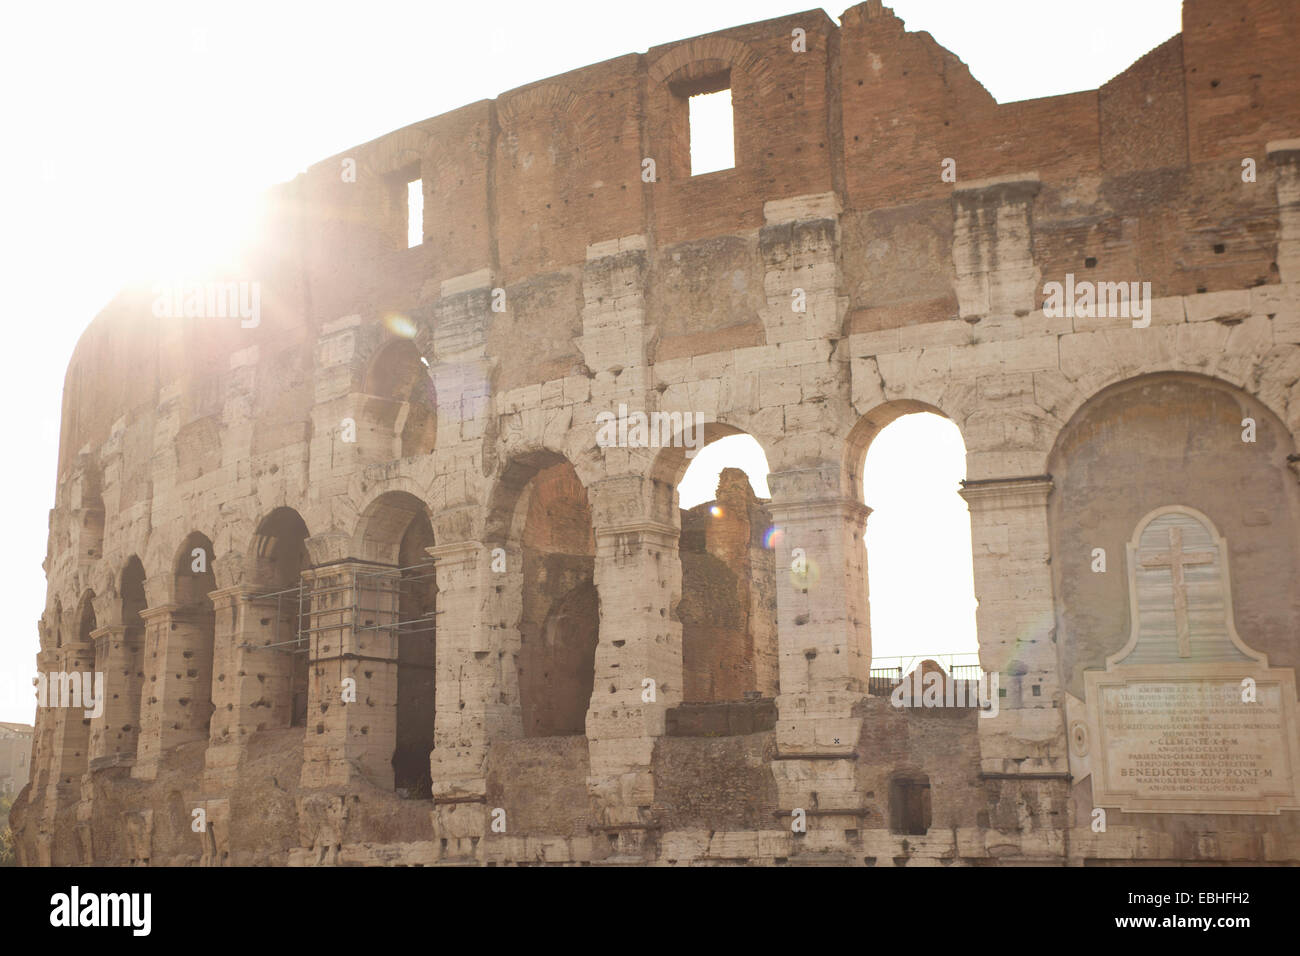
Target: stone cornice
[(1018, 187), (847, 508), (1007, 492)]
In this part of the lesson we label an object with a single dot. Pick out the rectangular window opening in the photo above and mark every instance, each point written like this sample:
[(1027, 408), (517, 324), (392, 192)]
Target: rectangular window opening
[(414, 213), (713, 143)]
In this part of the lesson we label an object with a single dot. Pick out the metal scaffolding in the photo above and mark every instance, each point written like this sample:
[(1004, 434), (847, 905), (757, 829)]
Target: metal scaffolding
[(297, 606)]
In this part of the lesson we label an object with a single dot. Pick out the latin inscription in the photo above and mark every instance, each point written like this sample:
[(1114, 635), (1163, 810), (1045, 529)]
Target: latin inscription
[(1193, 739)]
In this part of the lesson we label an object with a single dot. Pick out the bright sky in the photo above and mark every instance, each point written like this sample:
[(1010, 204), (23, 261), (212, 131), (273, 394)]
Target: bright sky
[(140, 133)]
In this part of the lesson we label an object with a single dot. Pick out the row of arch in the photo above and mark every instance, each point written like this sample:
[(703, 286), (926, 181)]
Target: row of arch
[(541, 517)]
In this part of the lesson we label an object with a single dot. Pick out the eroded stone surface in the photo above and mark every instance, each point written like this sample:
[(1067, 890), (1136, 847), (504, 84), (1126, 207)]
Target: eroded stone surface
[(231, 492)]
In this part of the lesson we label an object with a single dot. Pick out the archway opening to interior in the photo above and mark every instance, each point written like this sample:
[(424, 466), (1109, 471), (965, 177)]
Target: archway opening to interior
[(919, 568), (416, 659), (559, 623), (399, 411), (282, 556), (192, 641), (728, 593)]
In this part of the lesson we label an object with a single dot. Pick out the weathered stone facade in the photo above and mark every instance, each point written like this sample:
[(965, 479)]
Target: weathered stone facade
[(214, 514)]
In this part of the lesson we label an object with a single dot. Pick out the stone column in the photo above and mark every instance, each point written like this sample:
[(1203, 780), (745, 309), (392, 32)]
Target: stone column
[(476, 645), (353, 610), (825, 643), (175, 700), (638, 578), (44, 734), (992, 252), (252, 683), (115, 732), (1016, 619), (1284, 154), (72, 734)]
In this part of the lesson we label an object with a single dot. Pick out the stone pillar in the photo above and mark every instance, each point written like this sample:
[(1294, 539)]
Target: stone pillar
[(825, 643), (44, 733), (1016, 620), (175, 705), (252, 682), (476, 646), (115, 732), (638, 578), (1285, 156), (992, 247), (70, 756), (353, 610)]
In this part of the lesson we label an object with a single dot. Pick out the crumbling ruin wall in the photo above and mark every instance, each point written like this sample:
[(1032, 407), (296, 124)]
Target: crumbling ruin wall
[(882, 246)]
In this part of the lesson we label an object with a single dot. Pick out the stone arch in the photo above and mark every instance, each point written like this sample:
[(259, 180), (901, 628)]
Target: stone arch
[(58, 622), (277, 557), (1240, 354), (86, 617), (707, 64), (671, 462), (377, 536), (727, 588), (396, 410), (564, 108), (1166, 439), (131, 591), (920, 529), (123, 664), (384, 172), (278, 550), (191, 642), (866, 429), (396, 531), (858, 445), (540, 517), (396, 151)]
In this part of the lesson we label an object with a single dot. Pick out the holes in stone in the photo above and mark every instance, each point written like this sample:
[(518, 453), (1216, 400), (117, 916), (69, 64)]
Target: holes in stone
[(1218, 248), (1090, 262)]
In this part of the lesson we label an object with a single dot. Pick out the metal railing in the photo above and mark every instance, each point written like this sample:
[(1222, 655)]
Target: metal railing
[(888, 672)]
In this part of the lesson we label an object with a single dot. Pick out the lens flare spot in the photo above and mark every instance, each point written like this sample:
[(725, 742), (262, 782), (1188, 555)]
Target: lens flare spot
[(811, 574), (400, 326), (772, 537), (715, 511)]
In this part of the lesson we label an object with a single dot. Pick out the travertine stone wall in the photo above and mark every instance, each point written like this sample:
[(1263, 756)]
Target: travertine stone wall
[(832, 281)]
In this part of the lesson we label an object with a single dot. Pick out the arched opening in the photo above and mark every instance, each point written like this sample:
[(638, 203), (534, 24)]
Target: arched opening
[(399, 600), (541, 521), (281, 556), (1172, 440), (416, 659), (728, 593), (920, 571), (398, 417), (191, 642)]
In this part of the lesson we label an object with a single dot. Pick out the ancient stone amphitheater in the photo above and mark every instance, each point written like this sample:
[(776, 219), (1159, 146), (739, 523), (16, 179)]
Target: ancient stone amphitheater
[(365, 585)]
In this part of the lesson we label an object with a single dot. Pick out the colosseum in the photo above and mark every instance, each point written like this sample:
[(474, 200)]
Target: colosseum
[(364, 582)]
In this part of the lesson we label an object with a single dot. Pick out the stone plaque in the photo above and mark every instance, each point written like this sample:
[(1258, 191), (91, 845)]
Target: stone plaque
[(1186, 718)]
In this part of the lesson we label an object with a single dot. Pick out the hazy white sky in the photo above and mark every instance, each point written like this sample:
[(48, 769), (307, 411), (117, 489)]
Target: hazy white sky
[(137, 135)]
